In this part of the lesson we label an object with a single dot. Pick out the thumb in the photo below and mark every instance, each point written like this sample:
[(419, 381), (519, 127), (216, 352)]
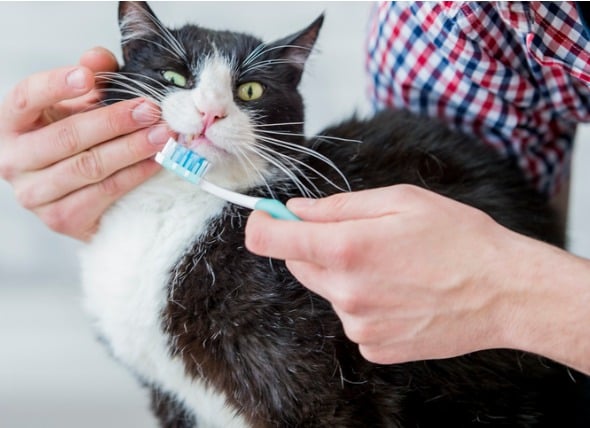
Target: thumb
[(356, 205), (99, 59)]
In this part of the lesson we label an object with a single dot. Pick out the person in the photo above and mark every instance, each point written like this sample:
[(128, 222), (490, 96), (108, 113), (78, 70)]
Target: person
[(413, 275), (418, 276)]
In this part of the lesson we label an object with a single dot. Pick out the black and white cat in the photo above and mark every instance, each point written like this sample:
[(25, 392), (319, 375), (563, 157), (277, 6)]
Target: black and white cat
[(224, 338)]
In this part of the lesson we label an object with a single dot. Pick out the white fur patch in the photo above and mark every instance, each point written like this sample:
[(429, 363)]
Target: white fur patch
[(125, 272)]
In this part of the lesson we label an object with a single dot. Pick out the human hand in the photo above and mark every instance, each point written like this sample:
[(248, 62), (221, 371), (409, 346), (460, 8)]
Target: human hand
[(409, 272), (67, 158)]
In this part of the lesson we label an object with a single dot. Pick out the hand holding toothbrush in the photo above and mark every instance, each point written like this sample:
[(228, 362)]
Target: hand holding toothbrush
[(414, 275)]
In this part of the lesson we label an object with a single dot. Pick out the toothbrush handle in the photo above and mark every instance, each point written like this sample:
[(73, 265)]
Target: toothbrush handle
[(271, 206), (276, 209)]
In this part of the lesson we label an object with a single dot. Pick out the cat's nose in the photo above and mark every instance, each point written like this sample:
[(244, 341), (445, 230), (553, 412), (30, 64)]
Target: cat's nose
[(210, 116)]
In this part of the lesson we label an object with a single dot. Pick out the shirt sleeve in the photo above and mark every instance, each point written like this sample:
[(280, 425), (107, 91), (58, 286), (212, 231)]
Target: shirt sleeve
[(491, 70)]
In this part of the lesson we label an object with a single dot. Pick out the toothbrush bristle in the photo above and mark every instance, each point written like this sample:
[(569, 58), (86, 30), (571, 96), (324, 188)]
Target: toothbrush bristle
[(182, 161)]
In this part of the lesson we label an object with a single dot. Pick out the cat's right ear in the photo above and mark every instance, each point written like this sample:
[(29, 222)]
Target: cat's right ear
[(137, 21)]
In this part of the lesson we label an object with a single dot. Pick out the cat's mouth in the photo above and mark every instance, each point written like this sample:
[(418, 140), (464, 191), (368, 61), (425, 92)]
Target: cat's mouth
[(203, 145), (192, 141)]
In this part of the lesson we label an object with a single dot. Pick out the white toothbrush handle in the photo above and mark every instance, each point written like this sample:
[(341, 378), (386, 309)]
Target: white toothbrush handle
[(233, 197), (275, 208)]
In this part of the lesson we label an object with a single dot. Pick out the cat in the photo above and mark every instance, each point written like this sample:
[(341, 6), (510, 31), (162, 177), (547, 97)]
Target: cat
[(224, 338)]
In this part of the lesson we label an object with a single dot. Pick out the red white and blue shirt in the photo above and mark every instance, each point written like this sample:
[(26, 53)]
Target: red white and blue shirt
[(514, 74)]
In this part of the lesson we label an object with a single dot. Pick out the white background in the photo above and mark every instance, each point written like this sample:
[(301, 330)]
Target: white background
[(52, 371)]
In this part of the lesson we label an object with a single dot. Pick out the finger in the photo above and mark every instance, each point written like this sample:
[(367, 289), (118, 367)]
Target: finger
[(368, 329), (75, 134), (357, 205), (391, 353), (25, 104), (78, 214), (88, 167), (344, 290), (332, 245), (99, 59), (312, 276)]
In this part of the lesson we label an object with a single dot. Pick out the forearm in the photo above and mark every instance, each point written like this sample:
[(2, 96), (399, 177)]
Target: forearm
[(548, 305)]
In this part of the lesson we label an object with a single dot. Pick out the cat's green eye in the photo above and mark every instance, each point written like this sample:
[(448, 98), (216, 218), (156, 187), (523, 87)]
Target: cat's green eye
[(250, 91), (175, 78)]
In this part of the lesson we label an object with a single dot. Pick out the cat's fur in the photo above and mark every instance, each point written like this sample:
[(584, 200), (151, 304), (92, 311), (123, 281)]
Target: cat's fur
[(225, 338)]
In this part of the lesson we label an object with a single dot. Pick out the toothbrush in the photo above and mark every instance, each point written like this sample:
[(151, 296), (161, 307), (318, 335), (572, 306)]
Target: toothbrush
[(192, 167)]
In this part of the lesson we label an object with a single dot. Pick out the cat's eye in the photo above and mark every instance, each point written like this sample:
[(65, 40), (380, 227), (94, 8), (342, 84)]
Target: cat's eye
[(250, 91), (174, 78)]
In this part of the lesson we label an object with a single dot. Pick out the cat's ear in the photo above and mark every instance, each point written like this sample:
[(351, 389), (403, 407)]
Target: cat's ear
[(136, 22), (296, 48)]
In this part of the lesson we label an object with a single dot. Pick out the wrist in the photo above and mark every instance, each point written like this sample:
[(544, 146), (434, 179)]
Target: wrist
[(546, 302)]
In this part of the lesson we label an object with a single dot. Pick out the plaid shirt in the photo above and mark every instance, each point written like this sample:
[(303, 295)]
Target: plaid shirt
[(514, 74)]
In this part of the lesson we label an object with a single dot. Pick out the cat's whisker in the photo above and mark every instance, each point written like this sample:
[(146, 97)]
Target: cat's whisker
[(270, 62), (255, 54), (325, 138), (293, 171), (250, 63), (269, 159), (128, 76), (272, 159), (242, 158), (123, 84), (161, 46), (298, 166), (264, 125), (305, 150), (140, 28)]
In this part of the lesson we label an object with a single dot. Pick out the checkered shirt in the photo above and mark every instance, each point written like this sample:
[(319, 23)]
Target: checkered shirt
[(514, 74)]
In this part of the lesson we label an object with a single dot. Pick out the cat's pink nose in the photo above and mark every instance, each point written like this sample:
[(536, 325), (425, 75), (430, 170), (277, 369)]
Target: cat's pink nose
[(210, 116)]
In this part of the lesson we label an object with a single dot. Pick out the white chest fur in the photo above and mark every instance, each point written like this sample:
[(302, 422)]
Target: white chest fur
[(125, 271)]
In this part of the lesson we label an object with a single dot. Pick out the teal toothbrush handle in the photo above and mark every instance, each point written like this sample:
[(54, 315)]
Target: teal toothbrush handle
[(276, 209)]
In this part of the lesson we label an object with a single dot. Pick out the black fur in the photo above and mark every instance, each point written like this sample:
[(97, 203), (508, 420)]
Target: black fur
[(277, 350)]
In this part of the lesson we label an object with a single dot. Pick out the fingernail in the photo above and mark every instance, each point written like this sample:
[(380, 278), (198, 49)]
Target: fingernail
[(158, 135), (145, 114), (76, 79)]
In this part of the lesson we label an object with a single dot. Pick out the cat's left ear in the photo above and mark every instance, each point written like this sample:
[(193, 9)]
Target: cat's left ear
[(296, 48), (137, 22)]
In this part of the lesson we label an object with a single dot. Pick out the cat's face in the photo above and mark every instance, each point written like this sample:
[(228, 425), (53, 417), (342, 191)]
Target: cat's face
[(230, 97)]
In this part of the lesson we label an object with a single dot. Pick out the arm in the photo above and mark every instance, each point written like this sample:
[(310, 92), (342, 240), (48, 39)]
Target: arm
[(414, 283), (67, 159)]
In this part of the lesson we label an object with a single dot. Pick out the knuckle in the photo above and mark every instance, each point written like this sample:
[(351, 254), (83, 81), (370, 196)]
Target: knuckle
[(7, 170), (88, 165), (25, 196), (67, 139), (20, 96), (110, 186), (134, 147), (342, 254), (358, 332), (347, 300), (408, 191), (112, 121), (373, 354), (338, 202), (55, 218)]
